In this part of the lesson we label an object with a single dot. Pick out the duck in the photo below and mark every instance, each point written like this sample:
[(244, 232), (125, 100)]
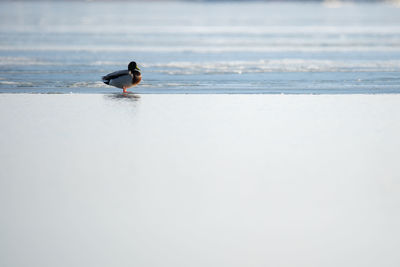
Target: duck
[(124, 79)]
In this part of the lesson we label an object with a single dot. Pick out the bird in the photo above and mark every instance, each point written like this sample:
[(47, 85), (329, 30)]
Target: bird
[(124, 79)]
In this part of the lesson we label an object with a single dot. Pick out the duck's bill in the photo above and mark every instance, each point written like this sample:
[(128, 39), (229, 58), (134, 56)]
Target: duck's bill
[(137, 68)]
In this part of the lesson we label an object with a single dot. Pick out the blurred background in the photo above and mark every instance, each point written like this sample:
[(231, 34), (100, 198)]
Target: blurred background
[(202, 46)]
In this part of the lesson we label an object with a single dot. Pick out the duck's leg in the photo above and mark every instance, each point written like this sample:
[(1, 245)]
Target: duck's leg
[(124, 90)]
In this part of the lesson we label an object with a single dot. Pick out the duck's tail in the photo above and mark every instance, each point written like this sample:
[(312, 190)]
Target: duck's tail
[(106, 81)]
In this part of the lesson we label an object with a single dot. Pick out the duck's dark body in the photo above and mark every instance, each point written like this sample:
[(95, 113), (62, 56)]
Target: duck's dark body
[(124, 78)]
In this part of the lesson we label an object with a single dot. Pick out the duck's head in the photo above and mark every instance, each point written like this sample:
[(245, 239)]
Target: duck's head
[(132, 66)]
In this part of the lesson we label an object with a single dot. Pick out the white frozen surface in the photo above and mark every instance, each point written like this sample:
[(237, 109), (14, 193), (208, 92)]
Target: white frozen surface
[(199, 180)]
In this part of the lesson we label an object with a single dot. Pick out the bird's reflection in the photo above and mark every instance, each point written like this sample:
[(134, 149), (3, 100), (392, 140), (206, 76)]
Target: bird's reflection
[(123, 96)]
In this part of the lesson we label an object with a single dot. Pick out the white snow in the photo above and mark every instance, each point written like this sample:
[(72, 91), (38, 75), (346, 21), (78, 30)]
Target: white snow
[(199, 180)]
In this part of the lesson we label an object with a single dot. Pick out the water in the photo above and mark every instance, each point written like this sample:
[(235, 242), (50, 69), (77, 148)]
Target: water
[(182, 47)]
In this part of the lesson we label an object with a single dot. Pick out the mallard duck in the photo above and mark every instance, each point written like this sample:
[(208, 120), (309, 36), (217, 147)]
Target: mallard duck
[(124, 79)]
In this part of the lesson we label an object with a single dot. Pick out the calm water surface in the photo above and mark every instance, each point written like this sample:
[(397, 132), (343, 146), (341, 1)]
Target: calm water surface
[(201, 47)]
